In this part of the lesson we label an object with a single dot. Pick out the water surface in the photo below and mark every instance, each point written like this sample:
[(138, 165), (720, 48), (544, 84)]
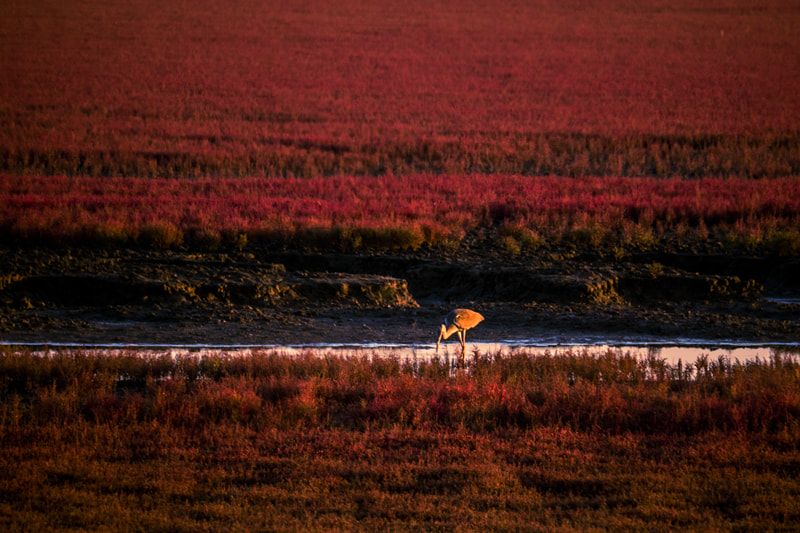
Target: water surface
[(670, 350)]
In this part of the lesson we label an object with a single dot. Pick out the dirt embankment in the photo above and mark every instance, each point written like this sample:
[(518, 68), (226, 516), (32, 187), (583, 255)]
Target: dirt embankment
[(285, 297)]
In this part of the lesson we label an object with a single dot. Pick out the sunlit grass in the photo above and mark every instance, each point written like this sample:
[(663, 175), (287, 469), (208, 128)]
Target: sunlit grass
[(574, 441), (611, 391), (523, 214)]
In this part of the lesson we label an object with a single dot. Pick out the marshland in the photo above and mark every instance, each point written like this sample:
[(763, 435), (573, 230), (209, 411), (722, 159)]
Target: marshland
[(269, 441), (592, 179)]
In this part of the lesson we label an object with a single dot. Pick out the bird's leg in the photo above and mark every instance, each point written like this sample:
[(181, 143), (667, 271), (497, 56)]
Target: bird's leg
[(462, 336)]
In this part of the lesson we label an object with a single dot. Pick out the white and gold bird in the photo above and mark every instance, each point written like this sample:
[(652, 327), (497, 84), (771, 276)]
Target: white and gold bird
[(459, 321)]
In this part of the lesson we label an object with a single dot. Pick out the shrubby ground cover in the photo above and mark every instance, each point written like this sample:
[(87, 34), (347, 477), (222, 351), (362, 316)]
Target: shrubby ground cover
[(385, 213), (363, 126), (213, 88), (572, 441), (449, 107)]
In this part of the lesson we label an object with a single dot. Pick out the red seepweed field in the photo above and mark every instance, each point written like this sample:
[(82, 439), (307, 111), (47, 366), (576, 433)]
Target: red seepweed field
[(247, 88), (542, 128), (571, 441), (447, 106), (405, 212)]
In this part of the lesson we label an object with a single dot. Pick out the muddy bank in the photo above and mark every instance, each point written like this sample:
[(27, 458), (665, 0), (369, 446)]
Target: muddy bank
[(263, 296)]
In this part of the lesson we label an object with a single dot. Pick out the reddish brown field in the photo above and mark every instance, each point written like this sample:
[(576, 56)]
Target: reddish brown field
[(356, 126), (572, 442), (404, 212), (248, 88)]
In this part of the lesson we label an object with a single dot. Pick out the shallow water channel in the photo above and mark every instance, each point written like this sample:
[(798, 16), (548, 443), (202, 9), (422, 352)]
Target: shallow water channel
[(670, 350)]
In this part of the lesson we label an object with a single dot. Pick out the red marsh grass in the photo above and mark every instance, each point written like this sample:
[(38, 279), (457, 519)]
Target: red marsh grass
[(404, 212), (572, 442), (213, 88)]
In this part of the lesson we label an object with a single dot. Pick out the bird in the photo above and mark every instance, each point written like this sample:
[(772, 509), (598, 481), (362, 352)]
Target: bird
[(459, 321)]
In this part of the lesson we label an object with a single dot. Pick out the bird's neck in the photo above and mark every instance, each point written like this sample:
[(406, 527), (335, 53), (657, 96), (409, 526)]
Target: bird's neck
[(446, 332)]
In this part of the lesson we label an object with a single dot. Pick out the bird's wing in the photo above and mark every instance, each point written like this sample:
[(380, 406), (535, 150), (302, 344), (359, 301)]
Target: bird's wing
[(461, 317)]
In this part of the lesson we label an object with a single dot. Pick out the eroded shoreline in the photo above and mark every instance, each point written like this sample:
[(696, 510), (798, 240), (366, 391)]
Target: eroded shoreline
[(286, 297)]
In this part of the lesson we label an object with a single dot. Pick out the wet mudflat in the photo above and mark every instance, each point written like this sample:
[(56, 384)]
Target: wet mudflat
[(279, 297)]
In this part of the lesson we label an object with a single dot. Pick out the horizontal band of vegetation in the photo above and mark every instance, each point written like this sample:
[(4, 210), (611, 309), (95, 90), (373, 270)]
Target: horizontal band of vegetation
[(573, 441), (365, 89), (605, 391), (576, 155), (518, 213)]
